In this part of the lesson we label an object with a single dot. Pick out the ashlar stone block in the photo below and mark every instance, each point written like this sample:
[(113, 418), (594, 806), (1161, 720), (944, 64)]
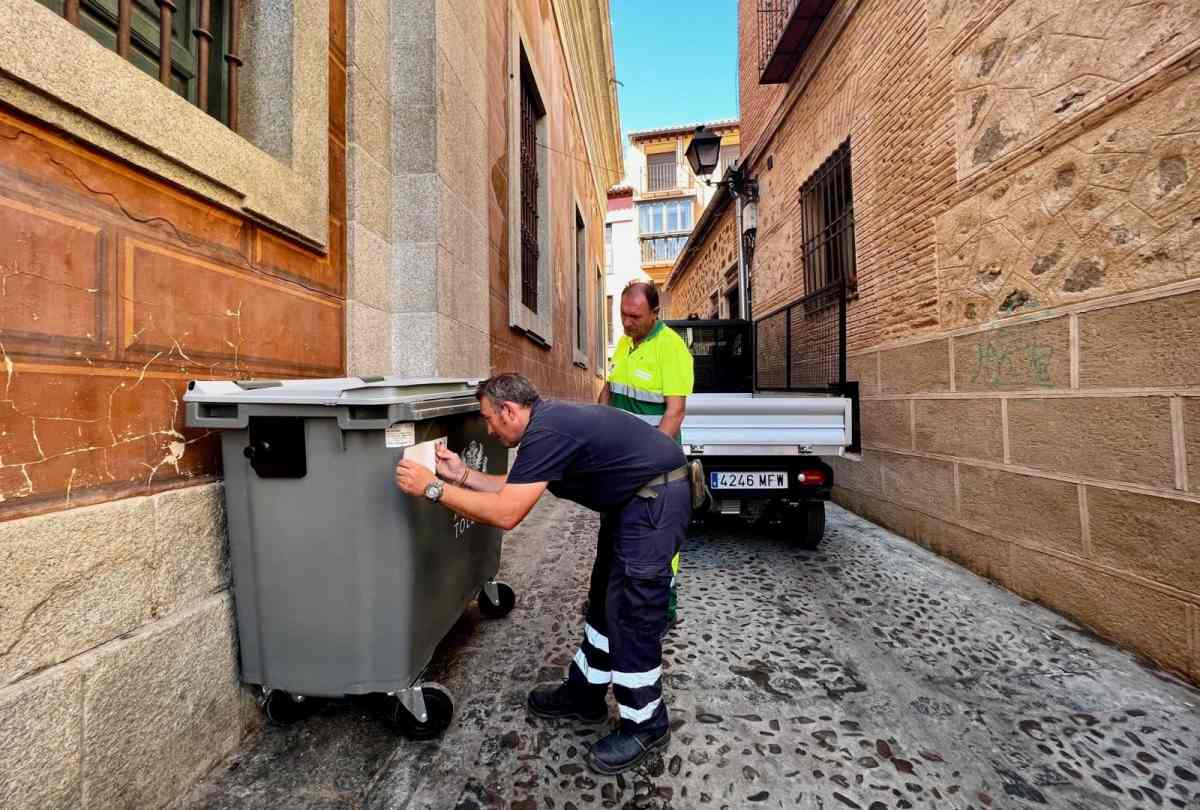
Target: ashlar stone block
[(72, 580)]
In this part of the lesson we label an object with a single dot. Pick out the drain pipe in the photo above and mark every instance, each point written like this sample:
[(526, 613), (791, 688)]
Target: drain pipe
[(745, 191), (743, 271)]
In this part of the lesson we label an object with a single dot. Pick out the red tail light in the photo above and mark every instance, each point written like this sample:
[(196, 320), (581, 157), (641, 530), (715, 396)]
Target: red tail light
[(811, 478)]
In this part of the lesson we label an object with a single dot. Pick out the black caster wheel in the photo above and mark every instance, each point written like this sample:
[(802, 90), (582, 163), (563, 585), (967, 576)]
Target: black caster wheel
[(439, 711), (497, 610), (283, 708)]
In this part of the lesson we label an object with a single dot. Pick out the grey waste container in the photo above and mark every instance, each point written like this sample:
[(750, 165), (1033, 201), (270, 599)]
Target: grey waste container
[(344, 585)]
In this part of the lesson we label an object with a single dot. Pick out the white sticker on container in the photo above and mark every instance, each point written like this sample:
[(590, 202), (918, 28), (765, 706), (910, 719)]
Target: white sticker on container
[(401, 434)]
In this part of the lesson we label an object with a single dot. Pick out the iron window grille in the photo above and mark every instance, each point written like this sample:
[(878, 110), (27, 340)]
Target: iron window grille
[(580, 284), (601, 337), (191, 46), (532, 110), (662, 174), (785, 30), (773, 16), (827, 225)]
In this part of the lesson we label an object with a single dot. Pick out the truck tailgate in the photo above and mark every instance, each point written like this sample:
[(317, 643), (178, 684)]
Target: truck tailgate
[(744, 424)]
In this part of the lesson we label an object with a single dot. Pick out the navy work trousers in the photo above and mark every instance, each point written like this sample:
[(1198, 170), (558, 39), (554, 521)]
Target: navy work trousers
[(627, 606)]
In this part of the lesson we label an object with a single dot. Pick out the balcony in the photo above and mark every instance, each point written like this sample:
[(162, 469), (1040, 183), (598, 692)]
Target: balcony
[(785, 29), (665, 180), (662, 249)]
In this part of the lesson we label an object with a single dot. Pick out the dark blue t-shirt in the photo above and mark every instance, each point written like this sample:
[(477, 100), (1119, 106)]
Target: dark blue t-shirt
[(594, 455)]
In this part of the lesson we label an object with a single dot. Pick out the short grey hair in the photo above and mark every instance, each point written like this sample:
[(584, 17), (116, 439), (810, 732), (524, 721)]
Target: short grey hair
[(507, 387)]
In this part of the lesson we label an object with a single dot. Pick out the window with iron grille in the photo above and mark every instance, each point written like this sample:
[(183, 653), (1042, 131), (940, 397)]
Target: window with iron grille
[(827, 224), (191, 46), (661, 172), (532, 111), (580, 289), (601, 338)]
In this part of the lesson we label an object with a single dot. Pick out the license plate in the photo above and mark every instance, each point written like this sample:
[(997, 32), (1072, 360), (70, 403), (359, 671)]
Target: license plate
[(747, 480)]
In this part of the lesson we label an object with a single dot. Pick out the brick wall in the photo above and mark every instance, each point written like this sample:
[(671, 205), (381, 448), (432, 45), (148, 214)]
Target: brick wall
[(1027, 207), (756, 101)]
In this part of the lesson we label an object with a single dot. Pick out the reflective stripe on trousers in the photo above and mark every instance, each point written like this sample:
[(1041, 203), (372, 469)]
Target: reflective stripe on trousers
[(627, 605)]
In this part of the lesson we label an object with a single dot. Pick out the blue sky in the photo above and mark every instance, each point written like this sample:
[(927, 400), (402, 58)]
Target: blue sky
[(676, 61)]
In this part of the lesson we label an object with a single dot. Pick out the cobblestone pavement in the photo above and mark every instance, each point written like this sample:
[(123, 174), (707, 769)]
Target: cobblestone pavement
[(869, 674)]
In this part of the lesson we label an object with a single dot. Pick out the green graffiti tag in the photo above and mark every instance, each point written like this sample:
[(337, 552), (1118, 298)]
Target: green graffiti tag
[(1011, 361)]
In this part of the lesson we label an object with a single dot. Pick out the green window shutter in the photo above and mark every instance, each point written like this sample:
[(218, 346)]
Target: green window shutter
[(98, 18)]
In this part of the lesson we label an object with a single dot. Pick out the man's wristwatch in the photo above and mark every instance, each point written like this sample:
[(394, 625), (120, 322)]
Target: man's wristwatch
[(434, 490)]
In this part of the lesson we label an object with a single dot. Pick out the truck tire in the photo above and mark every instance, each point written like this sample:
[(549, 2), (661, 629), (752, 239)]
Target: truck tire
[(811, 524)]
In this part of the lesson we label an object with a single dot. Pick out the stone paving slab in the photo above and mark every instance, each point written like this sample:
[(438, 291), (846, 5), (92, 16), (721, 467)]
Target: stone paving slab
[(870, 674)]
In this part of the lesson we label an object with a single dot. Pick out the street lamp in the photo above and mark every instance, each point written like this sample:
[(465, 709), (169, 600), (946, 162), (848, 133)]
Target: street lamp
[(703, 154), (704, 151)]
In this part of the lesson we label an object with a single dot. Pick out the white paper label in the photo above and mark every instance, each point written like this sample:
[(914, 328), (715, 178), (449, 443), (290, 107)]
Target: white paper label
[(425, 453), (401, 434)]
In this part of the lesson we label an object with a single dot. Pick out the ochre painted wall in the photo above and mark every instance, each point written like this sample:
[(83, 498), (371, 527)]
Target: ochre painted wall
[(116, 289)]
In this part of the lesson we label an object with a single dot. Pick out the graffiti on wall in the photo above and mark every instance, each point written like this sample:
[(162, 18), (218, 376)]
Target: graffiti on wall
[(1000, 362)]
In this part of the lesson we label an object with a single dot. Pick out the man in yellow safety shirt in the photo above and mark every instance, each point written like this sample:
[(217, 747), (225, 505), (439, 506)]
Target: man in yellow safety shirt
[(651, 374)]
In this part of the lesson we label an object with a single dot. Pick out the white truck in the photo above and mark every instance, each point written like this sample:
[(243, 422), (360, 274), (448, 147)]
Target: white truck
[(759, 433)]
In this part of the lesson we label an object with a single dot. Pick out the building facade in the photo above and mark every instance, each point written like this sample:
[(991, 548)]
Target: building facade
[(622, 260), (272, 191), (667, 196), (1008, 191)]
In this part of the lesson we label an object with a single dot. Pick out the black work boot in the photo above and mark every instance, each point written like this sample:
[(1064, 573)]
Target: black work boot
[(624, 749), (553, 702)]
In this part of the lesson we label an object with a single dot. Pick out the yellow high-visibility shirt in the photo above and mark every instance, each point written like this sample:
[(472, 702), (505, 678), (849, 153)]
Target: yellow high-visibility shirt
[(641, 378)]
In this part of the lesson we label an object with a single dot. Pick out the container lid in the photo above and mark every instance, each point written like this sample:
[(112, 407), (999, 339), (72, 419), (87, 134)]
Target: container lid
[(330, 391)]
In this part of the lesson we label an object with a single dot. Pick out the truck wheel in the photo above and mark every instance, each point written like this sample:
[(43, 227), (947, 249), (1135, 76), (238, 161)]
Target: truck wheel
[(810, 524)]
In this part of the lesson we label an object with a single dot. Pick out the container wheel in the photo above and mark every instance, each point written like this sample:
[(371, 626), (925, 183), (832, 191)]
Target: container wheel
[(283, 708), (439, 711), (497, 610)]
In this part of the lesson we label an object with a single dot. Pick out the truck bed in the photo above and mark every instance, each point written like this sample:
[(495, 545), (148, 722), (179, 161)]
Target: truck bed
[(765, 425)]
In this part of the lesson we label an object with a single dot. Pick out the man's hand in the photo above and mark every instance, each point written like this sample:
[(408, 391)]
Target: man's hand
[(450, 467), (412, 477)]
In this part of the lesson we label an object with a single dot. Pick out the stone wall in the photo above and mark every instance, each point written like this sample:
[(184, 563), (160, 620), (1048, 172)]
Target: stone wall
[(118, 676), (436, 321), (1025, 329), (118, 670)]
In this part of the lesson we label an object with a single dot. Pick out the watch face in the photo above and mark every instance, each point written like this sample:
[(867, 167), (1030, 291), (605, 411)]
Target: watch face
[(433, 491)]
